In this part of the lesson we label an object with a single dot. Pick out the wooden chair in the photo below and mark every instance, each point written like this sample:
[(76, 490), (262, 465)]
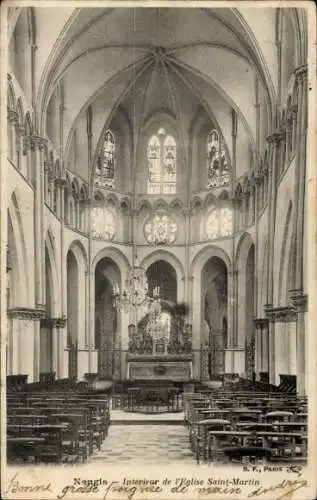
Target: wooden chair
[(200, 441)]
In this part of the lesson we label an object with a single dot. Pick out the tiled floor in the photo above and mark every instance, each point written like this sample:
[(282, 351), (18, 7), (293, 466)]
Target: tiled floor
[(150, 444), (125, 417)]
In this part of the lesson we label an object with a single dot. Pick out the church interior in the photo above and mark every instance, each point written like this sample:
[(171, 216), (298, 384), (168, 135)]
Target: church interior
[(156, 234)]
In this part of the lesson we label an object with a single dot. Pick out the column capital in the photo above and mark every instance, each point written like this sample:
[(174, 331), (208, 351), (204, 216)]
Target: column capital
[(61, 182), (299, 300), (26, 313), (34, 142), (12, 116), (276, 137), (281, 314), (301, 73), (54, 322), (260, 323)]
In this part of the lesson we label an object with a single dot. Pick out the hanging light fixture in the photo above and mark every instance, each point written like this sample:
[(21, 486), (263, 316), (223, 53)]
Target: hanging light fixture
[(135, 292)]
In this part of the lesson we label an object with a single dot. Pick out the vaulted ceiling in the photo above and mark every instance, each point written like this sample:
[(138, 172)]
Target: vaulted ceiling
[(177, 59)]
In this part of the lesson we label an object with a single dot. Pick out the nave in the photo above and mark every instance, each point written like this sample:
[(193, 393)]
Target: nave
[(234, 424)]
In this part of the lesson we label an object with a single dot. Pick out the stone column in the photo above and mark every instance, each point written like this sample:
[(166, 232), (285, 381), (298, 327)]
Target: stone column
[(271, 343), (37, 144), (25, 331), (232, 309), (300, 181), (252, 205), (300, 303), (258, 347), (265, 345), (244, 207)]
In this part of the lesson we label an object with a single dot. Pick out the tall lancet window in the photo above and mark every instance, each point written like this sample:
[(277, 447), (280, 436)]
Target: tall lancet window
[(217, 162), (105, 169), (161, 156)]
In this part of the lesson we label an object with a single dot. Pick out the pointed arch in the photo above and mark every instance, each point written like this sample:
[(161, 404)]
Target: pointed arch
[(105, 168), (22, 293), (210, 200), (217, 160), (160, 205), (112, 201), (162, 163)]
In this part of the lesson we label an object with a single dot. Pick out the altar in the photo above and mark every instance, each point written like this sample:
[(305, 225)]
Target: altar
[(175, 368), (160, 347)]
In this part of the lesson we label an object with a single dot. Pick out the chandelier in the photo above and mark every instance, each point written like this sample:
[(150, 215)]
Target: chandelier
[(135, 292)]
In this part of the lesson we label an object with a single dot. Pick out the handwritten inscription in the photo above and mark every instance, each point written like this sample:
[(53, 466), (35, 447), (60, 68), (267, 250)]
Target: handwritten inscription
[(16, 486), (133, 488)]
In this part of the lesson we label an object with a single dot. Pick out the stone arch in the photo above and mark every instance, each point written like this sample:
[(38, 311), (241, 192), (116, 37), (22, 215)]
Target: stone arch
[(171, 259), (176, 206), (160, 205), (18, 255), (246, 284), (14, 210), (196, 267), (76, 263), (80, 253), (243, 248), (112, 201), (114, 254), (204, 255), (210, 200)]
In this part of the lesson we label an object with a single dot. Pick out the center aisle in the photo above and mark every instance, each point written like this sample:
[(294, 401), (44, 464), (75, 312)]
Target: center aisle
[(151, 444)]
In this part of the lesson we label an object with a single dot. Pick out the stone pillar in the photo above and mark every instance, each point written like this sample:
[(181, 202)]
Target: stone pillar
[(232, 308), (300, 180), (271, 344), (36, 144), (300, 303), (264, 345), (252, 207), (274, 140), (25, 341), (258, 348), (245, 207), (278, 351)]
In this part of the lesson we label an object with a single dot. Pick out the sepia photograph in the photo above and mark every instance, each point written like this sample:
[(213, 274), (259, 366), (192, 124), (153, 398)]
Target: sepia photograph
[(158, 250)]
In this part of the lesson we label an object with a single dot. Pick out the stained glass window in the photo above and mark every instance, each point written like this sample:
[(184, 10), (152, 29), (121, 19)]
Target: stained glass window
[(103, 224), (105, 167), (169, 165), (161, 156), (225, 222), (219, 223), (154, 164), (160, 229), (217, 163), (212, 225)]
